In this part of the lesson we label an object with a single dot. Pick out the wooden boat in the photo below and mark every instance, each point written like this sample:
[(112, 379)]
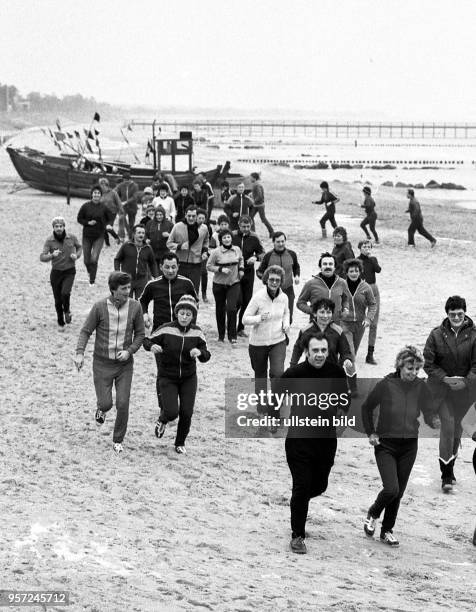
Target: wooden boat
[(73, 175)]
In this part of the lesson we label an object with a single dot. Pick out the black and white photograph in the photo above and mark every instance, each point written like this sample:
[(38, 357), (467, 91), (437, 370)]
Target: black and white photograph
[(238, 334)]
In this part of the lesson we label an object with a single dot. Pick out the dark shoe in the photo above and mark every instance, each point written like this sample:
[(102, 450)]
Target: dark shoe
[(388, 538), (369, 525), (370, 359), (433, 244), (160, 429), (298, 546), (204, 299), (221, 339), (447, 484), (242, 334), (100, 416), (68, 317), (474, 537)]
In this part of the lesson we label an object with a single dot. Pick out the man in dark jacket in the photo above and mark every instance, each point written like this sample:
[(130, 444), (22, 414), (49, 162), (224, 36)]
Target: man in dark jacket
[(137, 259), (287, 259), (311, 444), (416, 220), (128, 191), (371, 268), (237, 206), (252, 251), (183, 200), (450, 362)]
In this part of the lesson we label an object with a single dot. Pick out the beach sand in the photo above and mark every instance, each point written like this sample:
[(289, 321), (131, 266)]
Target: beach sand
[(151, 530)]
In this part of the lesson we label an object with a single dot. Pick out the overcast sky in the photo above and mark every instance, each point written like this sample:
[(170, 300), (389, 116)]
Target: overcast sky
[(409, 59)]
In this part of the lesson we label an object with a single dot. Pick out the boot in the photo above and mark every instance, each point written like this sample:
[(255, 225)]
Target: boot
[(324, 233), (446, 478), (370, 356), (352, 382)]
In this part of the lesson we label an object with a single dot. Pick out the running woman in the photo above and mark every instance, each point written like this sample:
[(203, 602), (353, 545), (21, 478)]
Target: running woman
[(401, 397), (329, 200), (370, 214), (63, 250), (179, 343)]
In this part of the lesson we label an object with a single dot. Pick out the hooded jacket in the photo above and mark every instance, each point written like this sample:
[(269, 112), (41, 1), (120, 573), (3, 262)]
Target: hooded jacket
[(400, 403)]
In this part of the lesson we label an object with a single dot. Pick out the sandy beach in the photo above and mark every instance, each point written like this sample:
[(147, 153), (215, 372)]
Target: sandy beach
[(151, 530)]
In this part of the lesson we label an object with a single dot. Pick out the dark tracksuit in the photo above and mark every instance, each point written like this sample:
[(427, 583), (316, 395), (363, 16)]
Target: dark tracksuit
[(93, 235), (370, 217), (310, 451), (250, 246), (400, 405), (164, 294), (342, 252), (328, 199), (158, 242), (128, 192), (139, 262), (339, 349), (416, 222), (177, 372), (287, 259), (371, 267)]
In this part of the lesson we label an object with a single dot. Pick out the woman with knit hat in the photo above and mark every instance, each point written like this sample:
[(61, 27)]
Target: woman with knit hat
[(62, 249), (180, 343), (401, 396), (226, 261), (370, 214)]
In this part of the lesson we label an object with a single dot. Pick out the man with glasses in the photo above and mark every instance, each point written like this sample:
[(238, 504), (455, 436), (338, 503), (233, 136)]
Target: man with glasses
[(190, 241), (450, 362)]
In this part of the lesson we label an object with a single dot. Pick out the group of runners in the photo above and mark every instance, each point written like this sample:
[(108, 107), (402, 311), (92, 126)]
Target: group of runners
[(166, 261)]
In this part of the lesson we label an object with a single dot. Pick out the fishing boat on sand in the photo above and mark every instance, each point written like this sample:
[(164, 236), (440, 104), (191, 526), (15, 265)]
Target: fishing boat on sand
[(71, 174)]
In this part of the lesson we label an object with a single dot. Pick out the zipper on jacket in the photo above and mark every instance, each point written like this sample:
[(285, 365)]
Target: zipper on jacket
[(170, 302), (180, 356), (117, 329), (137, 260)]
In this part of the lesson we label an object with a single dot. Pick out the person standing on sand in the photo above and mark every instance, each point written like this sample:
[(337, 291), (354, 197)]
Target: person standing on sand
[(370, 214), (179, 343), (401, 397), (450, 362), (370, 268), (95, 219), (257, 194), (416, 220), (329, 200), (325, 285), (310, 450), (119, 326), (63, 250)]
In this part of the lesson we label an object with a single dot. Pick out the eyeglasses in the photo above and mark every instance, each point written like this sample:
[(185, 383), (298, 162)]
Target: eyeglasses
[(456, 315), (275, 281)]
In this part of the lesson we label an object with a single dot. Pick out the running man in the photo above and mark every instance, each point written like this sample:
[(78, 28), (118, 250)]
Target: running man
[(63, 250), (137, 259), (119, 326), (371, 268), (370, 214), (416, 221)]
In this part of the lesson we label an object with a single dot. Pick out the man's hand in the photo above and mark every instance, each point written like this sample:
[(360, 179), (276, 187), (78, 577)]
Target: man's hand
[(165, 234), (146, 320), (155, 348), (184, 246), (123, 355), (366, 323), (349, 368), (225, 270), (251, 260), (236, 214), (286, 330), (195, 352), (109, 227), (73, 256), (78, 361), (204, 256), (435, 422), (92, 222), (55, 253), (297, 280), (374, 439)]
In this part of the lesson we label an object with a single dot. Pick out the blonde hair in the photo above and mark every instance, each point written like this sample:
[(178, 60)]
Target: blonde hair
[(408, 353)]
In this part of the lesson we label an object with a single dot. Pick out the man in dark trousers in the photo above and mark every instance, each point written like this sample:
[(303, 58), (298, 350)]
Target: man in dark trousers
[(237, 206), (252, 251), (311, 446), (137, 259), (416, 221), (287, 259), (128, 191), (371, 268)]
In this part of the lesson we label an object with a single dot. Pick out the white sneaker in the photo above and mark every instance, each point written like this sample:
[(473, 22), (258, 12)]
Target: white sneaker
[(369, 525), (180, 450), (390, 539), (117, 447)]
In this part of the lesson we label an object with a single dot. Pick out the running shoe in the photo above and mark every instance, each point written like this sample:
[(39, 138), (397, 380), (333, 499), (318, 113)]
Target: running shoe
[(68, 317), (60, 328), (388, 538), (433, 244), (160, 429), (298, 546), (117, 447), (369, 525), (180, 450), (233, 341), (447, 484), (100, 416)]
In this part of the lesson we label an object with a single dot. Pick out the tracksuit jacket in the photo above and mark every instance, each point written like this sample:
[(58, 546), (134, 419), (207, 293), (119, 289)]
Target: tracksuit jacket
[(67, 247), (400, 403), (361, 305), (287, 259), (177, 342), (250, 246), (165, 294), (136, 260), (339, 349), (117, 329), (316, 288), (179, 235)]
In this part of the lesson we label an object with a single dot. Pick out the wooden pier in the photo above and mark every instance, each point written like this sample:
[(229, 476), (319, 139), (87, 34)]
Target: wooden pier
[(351, 129)]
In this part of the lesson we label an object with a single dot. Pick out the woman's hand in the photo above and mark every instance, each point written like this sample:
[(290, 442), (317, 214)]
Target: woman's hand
[(92, 222), (195, 352), (265, 316)]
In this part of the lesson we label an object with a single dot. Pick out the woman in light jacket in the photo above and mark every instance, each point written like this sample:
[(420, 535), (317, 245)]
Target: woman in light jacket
[(226, 261), (268, 313)]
